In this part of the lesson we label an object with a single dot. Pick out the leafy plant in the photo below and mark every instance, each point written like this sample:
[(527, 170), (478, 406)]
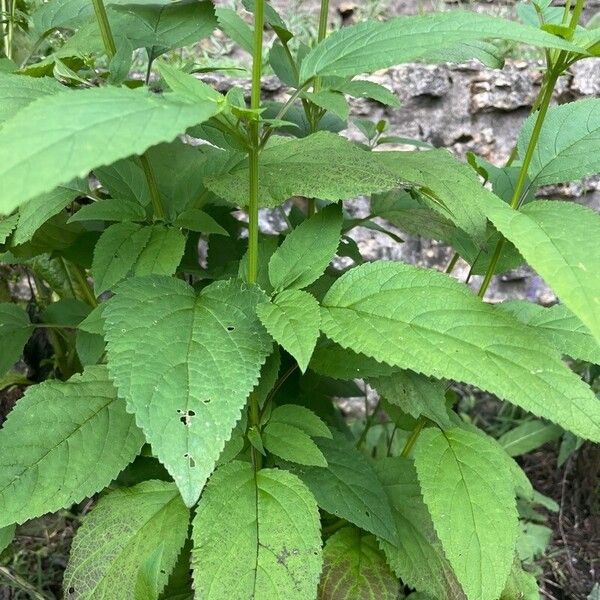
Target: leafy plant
[(197, 391)]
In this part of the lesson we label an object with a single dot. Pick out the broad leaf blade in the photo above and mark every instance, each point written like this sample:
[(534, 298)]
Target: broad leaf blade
[(322, 165), (560, 241), (15, 329), (293, 319), (417, 557), (354, 567), (127, 249), (467, 487), (423, 320), (306, 251), (528, 436), (186, 396), (123, 531), (302, 418), (293, 444), (348, 488), (66, 135), (268, 527), (569, 143), (559, 326), (372, 45), (62, 442)]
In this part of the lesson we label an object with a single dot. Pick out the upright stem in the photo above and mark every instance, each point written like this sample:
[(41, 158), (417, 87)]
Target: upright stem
[(111, 49), (321, 35), (522, 178), (576, 15), (105, 31), (5, 13), (259, 18)]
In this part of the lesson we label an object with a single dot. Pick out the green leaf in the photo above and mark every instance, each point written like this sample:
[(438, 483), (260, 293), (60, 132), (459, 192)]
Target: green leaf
[(126, 249), (38, 210), (301, 418), (560, 241), (331, 101), (235, 28), (322, 165), (111, 209), (332, 360), (292, 318), (373, 45), (197, 220), (118, 537), (569, 143), (15, 329), (559, 326), (17, 91), (450, 187), (164, 26), (62, 442), (65, 135), (528, 436), (423, 320), (354, 567), (307, 250), (7, 535), (293, 444), (267, 525), (468, 490), (187, 86), (521, 585), (368, 89), (7, 225), (414, 394), (186, 397), (349, 488), (417, 556)]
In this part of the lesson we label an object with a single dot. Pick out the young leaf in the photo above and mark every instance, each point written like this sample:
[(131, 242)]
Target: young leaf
[(569, 144), (235, 28), (293, 444), (62, 442), (38, 210), (15, 329), (17, 91), (331, 101), (301, 418), (528, 436), (111, 209), (348, 488), (187, 398), (267, 525), (373, 45), (559, 326), (414, 394), (307, 250), (423, 320), (126, 249), (187, 86), (122, 532), (354, 567), (367, 89), (560, 241), (467, 488), (293, 319), (197, 220), (322, 165), (65, 135), (417, 556), (7, 226)]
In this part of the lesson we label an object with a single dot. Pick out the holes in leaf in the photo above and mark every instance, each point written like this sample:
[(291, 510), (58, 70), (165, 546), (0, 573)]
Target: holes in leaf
[(190, 459), (186, 416), (206, 401), (230, 328), (71, 590)]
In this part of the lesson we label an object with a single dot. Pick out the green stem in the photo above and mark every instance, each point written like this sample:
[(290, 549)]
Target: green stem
[(576, 15), (522, 178), (79, 275), (255, 143), (414, 436), (4, 15), (157, 206), (110, 48), (368, 425), (11, 28), (105, 31)]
